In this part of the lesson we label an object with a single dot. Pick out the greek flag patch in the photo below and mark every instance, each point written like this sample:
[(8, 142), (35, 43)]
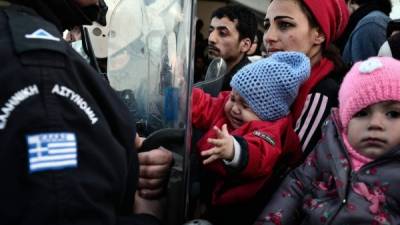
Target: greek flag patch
[(52, 151)]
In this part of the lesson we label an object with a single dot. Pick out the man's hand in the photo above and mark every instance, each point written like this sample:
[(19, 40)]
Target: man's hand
[(148, 206), (223, 146), (139, 141), (154, 168)]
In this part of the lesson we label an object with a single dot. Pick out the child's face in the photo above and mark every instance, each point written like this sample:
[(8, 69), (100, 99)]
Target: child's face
[(375, 129), (237, 111)]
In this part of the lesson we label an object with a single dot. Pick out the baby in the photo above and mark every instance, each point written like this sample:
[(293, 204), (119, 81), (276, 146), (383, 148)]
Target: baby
[(246, 128)]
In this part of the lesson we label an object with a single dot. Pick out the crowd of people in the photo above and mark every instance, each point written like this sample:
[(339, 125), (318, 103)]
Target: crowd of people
[(334, 35), (306, 133)]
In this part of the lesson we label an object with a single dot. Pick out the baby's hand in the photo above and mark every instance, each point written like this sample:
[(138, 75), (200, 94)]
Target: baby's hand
[(223, 146)]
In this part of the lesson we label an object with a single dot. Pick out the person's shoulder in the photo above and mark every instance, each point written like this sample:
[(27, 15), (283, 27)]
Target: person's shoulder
[(374, 17), (37, 42), (31, 33), (242, 63), (375, 14)]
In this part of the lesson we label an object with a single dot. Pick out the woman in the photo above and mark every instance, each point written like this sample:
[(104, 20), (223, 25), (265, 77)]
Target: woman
[(309, 26)]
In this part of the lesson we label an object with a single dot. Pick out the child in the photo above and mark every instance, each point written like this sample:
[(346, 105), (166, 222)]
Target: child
[(352, 175), (244, 128)]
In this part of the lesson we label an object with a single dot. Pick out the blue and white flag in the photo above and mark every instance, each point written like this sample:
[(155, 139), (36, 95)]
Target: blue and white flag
[(52, 151)]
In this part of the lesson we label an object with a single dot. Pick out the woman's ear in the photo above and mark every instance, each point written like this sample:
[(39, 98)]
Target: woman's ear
[(319, 37)]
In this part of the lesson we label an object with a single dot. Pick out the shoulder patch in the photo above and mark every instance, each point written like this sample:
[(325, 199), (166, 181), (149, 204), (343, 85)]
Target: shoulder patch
[(30, 32), (41, 34), (264, 136), (52, 151)]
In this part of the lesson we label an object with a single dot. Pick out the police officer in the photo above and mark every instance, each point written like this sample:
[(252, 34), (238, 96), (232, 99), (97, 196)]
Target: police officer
[(66, 154)]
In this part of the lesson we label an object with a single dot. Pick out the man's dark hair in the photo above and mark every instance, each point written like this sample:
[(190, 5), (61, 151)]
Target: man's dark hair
[(383, 5), (246, 20)]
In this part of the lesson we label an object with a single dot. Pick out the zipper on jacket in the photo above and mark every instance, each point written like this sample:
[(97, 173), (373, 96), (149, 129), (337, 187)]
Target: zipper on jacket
[(352, 178), (342, 204)]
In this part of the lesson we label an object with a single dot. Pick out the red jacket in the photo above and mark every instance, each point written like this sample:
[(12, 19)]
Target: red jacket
[(261, 142)]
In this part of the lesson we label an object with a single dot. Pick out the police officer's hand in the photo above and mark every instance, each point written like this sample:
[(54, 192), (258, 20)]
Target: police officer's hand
[(155, 166), (148, 206), (139, 141)]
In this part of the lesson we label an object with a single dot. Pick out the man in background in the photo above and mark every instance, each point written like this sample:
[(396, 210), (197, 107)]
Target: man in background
[(231, 34)]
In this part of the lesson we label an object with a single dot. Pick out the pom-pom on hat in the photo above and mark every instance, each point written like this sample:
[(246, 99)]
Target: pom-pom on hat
[(368, 82), (270, 85)]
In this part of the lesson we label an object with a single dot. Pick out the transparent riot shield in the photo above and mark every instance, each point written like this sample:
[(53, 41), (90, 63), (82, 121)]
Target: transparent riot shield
[(150, 56), (214, 78), (216, 69)]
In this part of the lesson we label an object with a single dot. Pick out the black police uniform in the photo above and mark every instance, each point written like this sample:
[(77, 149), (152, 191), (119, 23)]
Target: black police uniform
[(66, 140)]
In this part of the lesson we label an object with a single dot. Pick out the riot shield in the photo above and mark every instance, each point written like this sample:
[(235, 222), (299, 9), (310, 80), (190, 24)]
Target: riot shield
[(216, 68), (150, 57), (214, 78)]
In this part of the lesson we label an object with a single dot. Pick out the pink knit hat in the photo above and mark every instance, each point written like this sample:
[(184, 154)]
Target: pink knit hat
[(374, 80)]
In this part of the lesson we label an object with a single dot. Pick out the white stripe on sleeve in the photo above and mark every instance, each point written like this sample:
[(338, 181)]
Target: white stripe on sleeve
[(298, 122), (309, 116), (317, 121)]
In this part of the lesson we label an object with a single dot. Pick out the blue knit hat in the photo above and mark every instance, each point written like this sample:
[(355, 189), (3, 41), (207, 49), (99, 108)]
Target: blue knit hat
[(270, 85)]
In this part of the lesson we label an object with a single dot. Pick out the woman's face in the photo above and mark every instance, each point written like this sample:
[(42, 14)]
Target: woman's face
[(288, 29)]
